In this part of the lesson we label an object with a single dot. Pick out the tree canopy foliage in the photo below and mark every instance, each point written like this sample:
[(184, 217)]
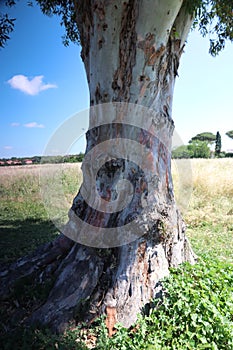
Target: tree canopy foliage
[(6, 23), (204, 136), (230, 134), (212, 17)]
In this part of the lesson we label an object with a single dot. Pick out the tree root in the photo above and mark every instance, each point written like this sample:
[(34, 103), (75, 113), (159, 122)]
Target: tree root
[(71, 278), (77, 277)]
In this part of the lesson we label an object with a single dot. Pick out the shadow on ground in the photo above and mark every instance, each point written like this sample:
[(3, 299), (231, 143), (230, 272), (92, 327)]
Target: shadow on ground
[(21, 237)]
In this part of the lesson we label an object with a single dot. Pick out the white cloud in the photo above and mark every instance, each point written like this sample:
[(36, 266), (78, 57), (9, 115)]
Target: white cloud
[(7, 147), (29, 86), (34, 125), (15, 124)]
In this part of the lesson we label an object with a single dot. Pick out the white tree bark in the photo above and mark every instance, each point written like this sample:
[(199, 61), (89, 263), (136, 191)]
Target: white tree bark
[(131, 51)]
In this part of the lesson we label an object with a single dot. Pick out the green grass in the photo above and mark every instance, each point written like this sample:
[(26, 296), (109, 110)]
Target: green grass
[(197, 308)]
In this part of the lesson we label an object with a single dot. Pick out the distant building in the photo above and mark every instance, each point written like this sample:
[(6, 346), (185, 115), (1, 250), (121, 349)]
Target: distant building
[(28, 161), (17, 162)]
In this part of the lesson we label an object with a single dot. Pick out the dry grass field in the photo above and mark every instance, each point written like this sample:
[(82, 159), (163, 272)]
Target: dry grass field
[(32, 196), (205, 195)]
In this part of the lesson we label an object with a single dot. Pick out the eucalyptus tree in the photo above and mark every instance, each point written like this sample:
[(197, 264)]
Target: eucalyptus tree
[(131, 52)]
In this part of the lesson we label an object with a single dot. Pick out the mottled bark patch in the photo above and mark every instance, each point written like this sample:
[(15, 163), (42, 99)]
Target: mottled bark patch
[(149, 48)]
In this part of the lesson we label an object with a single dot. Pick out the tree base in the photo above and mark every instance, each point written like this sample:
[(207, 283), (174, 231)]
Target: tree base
[(80, 283)]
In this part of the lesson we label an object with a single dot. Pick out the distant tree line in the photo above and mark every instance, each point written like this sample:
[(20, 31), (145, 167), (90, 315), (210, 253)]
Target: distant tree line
[(74, 158), (200, 147)]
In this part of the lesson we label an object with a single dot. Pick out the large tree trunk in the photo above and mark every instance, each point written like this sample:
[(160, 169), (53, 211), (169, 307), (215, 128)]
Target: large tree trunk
[(132, 234)]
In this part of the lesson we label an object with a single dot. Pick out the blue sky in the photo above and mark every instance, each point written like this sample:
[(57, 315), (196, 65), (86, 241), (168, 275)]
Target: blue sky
[(42, 83)]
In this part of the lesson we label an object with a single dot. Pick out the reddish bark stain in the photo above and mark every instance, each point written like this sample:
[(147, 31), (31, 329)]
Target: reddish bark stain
[(111, 320), (141, 251)]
